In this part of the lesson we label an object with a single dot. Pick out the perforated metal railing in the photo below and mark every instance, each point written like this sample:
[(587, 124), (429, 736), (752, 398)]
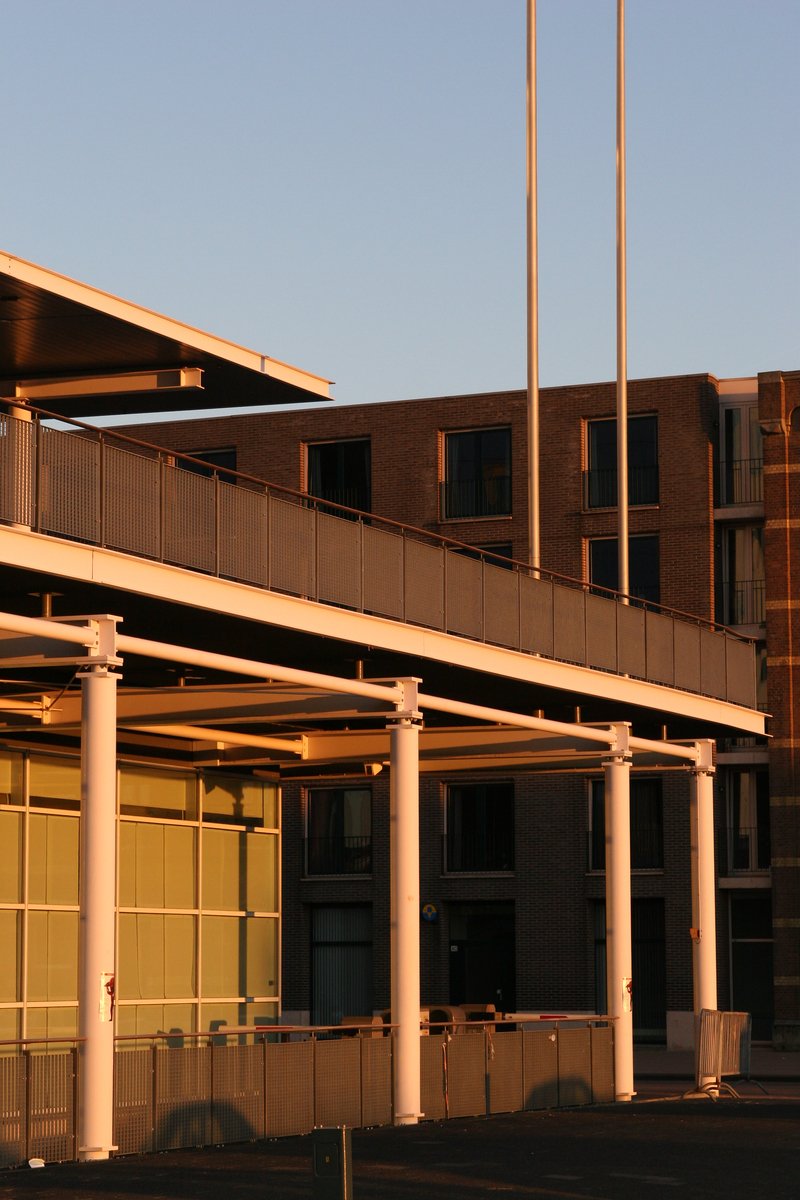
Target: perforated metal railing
[(176, 1091), (101, 488)]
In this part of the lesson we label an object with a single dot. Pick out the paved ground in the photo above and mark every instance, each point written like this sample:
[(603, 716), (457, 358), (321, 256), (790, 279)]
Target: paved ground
[(746, 1149)]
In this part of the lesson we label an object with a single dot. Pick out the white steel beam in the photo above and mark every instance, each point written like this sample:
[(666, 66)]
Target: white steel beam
[(704, 915), (617, 770)]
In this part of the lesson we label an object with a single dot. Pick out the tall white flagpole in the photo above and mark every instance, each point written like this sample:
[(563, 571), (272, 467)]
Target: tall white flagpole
[(534, 552), (622, 319)]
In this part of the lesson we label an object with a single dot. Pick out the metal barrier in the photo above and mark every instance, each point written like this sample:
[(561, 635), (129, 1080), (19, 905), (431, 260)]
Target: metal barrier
[(723, 1048), (283, 1081), (106, 489)]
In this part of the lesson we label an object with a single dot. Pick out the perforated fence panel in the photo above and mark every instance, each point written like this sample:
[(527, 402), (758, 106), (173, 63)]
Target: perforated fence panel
[(540, 1069), (601, 632), (432, 1075), (602, 1064), (339, 560), (132, 490), (464, 594), (376, 1081), (13, 1104), (631, 646), (292, 565), (504, 1084), (237, 1113), (574, 1066), (687, 656), (383, 572), (536, 615), (242, 534), (569, 624), (17, 470), (712, 662), (501, 605), (466, 1075), (337, 1082), (424, 584), (660, 647), (182, 1097), (51, 1092), (133, 1099), (741, 676), (69, 485), (290, 1089)]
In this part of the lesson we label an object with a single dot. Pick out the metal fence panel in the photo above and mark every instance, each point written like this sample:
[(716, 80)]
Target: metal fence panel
[(504, 1077), (189, 520), (337, 1082), (602, 1064), (466, 1076), (540, 1069), (383, 572), (569, 623), (740, 676), (13, 1105), (292, 564), (601, 632), (242, 534), (501, 605), (51, 1099), (687, 656), (376, 1080), (69, 485), (536, 615), (713, 679), (631, 644), (574, 1066), (182, 1097), (17, 470), (339, 560), (237, 1073), (660, 647), (464, 594), (132, 491), (133, 1100), (290, 1088), (424, 584), (432, 1068)]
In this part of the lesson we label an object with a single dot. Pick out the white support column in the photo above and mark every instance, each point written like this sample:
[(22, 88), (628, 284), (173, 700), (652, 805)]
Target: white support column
[(617, 771), (98, 862), (704, 912), (404, 887)]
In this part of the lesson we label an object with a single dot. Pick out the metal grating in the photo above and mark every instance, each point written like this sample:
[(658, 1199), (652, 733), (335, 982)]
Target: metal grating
[(51, 1098), (291, 547), (466, 1075), (17, 470), (69, 485), (660, 647), (337, 1082), (601, 632), (383, 572), (13, 1103), (183, 1097), (687, 656), (290, 1088), (540, 1069), (464, 594), (536, 615), (339, 560), (740, 682), (189, 519), (133, 1100), (424, 584), (602, 1064), (237, 1113), (574, 1066), (501, 605), (432, 1077), (504, 1076), (631, 649), (376, 1081), (242, 534), (569, 624), (131, 488), (713, 679)]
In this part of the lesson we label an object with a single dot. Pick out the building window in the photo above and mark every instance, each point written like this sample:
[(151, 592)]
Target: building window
[(339, 824), (741, 455), (341, 472), (497, 554), (600, 480), (479, 832), (747, 793), (220, 460), (643, 566), (647, 826), (477, 474), (741, 593)]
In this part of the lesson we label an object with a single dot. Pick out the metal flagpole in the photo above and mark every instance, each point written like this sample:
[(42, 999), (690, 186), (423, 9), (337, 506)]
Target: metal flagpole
[(533, 299), (622, 319)]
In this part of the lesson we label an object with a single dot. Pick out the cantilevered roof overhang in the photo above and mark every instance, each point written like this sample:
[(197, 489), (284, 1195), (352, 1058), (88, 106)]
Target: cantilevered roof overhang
[(54, 329)]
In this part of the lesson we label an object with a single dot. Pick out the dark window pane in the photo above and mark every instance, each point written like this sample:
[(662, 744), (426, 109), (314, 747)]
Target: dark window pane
[(601, 482), (643, 566), (341, 472), (647, 826), (480, 827), (751, 917), (339, 824), (223, 460), (477, 473)]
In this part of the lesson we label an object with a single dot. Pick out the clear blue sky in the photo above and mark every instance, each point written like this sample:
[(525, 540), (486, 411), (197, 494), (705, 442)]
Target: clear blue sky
[(340, 183)]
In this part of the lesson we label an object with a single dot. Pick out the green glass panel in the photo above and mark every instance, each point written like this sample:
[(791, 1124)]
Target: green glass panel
[(53, 859), (148, 792), (233, 800), (157, 866), (10, 1025), (240, 956), (9, 955), (11, 778), (223, 874), (52, 1023), (52, 955), (55, 783), (156, 956), (262, 872), (262, 956), (180, 872), (10, 858), (148, 1019)]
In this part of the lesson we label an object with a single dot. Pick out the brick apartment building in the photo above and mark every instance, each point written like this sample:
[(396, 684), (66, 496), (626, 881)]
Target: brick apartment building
[(513, 909)]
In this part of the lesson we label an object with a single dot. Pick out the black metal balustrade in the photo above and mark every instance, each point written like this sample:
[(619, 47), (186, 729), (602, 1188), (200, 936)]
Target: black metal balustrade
[(339, 855), (600, 487), (476, 497), (742, 481), (747, 850), (742, 601)]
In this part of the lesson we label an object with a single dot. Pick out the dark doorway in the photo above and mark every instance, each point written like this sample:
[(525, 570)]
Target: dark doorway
[(751, 961), (482, 955), (341, 962), (649, 967)]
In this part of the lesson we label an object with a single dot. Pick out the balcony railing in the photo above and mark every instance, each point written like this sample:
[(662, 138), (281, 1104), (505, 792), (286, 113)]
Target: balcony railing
[(742, 481), (476, 497), (742, 602), (600, 487), (101, 488), (479, 850), (339, 856), (747, 850)]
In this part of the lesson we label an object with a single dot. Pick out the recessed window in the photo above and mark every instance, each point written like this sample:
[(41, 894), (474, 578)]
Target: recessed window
[(748, 820), (643, 566), (647, 825), (341, 472), (600, 480), (741, 455), (741, 598), (477, 473), (223, 460), (480, 827), (339, 831)]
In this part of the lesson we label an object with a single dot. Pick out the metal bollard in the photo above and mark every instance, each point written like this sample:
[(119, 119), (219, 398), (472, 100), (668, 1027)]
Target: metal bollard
[(332, 1163)]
